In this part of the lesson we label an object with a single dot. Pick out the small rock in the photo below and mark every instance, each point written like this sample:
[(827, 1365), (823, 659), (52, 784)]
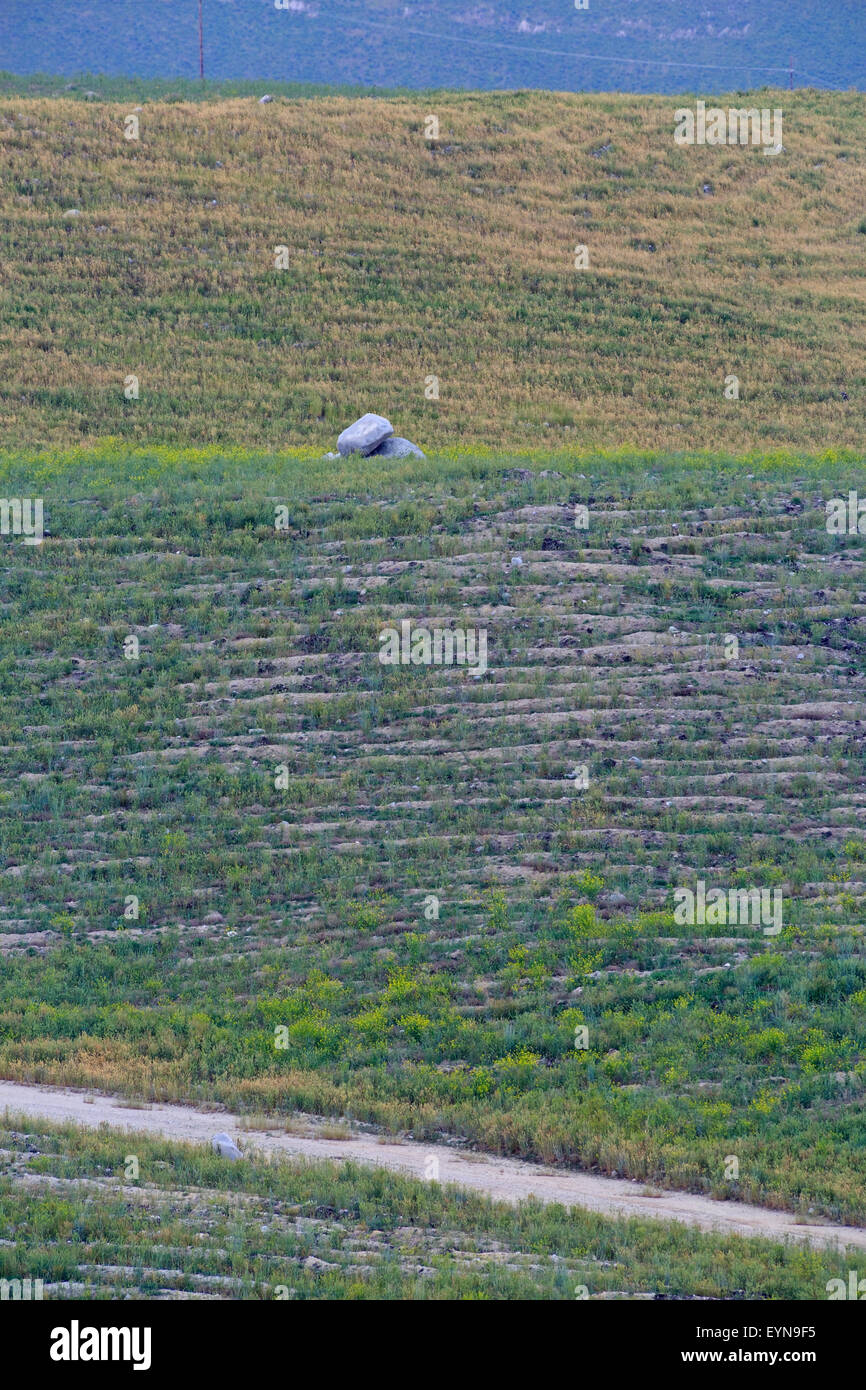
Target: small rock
[(364, 435), (396, 448), (225, 1146), (516, 562), (266, 98), (317, 1266)]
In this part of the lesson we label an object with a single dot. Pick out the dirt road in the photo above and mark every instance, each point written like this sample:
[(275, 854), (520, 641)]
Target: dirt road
[(503, 1179)]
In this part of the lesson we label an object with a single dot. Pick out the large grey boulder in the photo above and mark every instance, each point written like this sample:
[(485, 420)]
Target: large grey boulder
[(224, 1145), (396, 448), (365, 435)]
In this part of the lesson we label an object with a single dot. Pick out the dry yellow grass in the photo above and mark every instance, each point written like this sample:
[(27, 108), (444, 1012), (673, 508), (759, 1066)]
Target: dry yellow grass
[(407, 261)]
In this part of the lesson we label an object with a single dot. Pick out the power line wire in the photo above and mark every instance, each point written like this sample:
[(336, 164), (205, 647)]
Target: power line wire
[(567, 53)]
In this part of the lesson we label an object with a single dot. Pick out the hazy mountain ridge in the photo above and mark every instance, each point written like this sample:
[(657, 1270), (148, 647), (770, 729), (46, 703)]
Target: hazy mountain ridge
[(614, 45)]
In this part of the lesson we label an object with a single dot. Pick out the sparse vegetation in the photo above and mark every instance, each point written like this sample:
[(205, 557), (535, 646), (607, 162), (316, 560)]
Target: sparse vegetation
[(191, 1226), (282, 957), (245, 863)]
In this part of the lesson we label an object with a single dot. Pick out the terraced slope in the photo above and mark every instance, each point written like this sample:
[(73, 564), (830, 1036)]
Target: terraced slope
[(511, 1180), (292, 815), (187, 1225)]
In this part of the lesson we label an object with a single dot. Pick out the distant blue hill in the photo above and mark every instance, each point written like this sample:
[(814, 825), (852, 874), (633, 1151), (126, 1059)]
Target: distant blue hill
[(614, 45)]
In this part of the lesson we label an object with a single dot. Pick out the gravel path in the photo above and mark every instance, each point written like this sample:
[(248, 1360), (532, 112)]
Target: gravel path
[(503, 1179)]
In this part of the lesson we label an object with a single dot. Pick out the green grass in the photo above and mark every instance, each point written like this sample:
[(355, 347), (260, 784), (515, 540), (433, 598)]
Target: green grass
[(281, 810), (192, 1225), (102, 86), (156, 778)]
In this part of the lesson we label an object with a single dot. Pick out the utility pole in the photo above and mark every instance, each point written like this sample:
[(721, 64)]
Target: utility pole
[(200, 44)]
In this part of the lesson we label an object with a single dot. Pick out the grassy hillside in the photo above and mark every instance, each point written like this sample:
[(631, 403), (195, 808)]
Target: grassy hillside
[(285, 808), (248, 863), (155, 258), (190, 1226)]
